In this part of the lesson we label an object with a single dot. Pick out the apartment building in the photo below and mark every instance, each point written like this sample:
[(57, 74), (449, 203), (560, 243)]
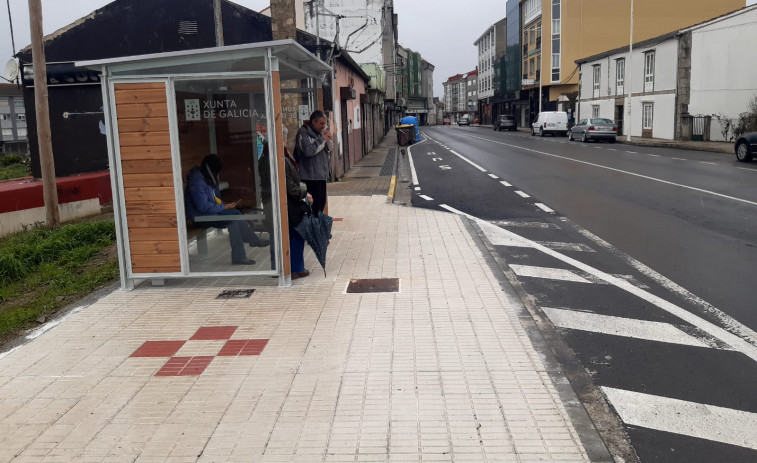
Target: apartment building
[(13, 137), (555, 33), (460, 96), (491, 45)]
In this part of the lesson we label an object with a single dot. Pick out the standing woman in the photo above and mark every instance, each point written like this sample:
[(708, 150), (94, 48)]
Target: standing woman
[(312, 152), (296, 209)]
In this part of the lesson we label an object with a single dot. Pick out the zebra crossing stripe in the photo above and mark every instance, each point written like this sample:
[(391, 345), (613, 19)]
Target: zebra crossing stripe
[(548, 273), (702, 421), (560, 246), (619, 326)]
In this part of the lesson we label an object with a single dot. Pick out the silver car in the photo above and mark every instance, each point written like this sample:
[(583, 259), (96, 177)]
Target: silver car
[(594, 129)]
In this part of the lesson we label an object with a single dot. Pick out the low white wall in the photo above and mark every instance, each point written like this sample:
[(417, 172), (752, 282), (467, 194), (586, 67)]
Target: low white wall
[(13, 222)]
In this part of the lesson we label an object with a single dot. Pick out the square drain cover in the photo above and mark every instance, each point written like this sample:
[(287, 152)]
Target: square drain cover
[(376, 285), (236, 294)]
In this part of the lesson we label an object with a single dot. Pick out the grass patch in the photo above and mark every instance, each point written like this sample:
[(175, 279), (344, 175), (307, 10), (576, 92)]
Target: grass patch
[(44, 269), (15, 171)]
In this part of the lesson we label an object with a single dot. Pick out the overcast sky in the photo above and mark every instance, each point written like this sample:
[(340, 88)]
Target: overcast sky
[(443, 35)]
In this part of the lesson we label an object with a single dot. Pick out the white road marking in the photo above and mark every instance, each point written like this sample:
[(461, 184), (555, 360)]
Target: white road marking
[(505, 183), (653, 155), (547, 273), (633, 152), (619, 326), (710, 163), (680, 159), (417, 188), (735, 341), (747, 168), (654, 179), (413, 173), (467, 160), (445, 167), (427, 198), (493, 176), (702, 421), (521, 194), (544, 207), (561, 246), (612, 149), (517, 223), (436, 159)]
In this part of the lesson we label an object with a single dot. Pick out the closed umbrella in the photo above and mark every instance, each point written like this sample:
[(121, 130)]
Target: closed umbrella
[(316, 231)]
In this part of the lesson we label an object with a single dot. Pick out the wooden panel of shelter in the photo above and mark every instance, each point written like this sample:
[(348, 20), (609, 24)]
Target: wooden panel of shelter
[(145, 146), (281, 167)]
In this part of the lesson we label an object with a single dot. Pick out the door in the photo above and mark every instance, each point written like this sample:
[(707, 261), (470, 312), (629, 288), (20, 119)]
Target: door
[(345, 138), (619, 111)]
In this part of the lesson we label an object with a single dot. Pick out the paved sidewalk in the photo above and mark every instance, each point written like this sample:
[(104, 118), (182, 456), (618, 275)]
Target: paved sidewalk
[(441, 370)]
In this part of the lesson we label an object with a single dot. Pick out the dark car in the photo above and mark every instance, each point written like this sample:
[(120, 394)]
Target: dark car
[(505, 122), (463, 121), (594, 129), (746, 147)]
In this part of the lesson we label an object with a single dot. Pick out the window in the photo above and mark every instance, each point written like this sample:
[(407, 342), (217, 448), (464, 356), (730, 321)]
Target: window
[(555, 60), (620, 76), (7, 133), (21, 132), (556, 14), (597, 71), (531, 67), (556, 26), (649, 71), (532, 35), (538, 31), (595, 111), (22, 117), (4, 117), (538, 63), (647, 116)]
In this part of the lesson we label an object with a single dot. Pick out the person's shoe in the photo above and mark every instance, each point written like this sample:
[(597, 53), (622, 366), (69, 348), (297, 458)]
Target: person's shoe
[(243, 262), (261, 243), (299, 275)]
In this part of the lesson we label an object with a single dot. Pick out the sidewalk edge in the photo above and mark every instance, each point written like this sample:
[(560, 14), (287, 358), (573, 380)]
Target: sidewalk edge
[(598, 427)]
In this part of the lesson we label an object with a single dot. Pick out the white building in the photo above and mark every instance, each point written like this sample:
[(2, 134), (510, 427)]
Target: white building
[(491, 45), (700, 71)]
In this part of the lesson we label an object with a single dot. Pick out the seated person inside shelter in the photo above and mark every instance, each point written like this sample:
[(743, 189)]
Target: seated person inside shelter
[(202, 198)]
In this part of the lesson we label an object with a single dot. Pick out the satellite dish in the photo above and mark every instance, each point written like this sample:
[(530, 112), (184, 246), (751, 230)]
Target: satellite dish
[(11, 71)]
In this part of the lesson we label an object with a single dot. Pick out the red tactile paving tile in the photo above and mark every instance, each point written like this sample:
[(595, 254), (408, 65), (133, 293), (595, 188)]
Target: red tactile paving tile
[(158, 349), (213, 333), (243, 347), (185, 366)]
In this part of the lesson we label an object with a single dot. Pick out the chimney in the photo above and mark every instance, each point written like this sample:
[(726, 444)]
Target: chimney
[(283, 20)]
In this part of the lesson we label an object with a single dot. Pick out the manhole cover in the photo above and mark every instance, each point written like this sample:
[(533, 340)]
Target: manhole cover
[(375, 285), (236, 294)]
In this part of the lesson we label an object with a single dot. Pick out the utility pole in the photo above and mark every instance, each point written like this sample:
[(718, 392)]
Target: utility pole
[(46, 160), (218, 19), (628, 78)]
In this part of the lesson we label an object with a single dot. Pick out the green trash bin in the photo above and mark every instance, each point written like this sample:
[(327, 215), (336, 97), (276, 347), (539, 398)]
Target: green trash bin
[(405, 134)]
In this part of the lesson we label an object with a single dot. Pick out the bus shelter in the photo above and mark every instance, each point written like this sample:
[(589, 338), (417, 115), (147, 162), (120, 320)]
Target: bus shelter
[(164, 113)]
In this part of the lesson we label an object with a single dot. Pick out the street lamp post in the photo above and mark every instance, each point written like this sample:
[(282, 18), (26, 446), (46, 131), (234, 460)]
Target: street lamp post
[(629, 78)]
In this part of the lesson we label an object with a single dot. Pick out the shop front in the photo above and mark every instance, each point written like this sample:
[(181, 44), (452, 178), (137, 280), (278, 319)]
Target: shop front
[(168, 112)]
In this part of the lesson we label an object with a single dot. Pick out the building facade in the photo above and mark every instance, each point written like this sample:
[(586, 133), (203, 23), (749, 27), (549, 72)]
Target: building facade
[(575, 29), (13, 136), (491, 47), (675, 81), (461, 96)]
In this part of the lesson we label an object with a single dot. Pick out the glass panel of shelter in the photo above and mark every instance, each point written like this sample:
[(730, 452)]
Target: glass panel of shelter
[(226, 117)]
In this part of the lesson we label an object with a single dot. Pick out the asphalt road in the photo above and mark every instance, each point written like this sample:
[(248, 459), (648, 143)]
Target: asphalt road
[(640, 258)]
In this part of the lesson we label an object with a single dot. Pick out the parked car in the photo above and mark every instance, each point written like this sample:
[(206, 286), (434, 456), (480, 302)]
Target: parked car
[(447, 121), (463, 121), (746, 147), (594, 129), (550, 122), (505, 122)]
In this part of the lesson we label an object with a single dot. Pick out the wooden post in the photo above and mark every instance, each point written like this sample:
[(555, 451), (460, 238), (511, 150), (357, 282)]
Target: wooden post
[(46, 160), (281, 168)]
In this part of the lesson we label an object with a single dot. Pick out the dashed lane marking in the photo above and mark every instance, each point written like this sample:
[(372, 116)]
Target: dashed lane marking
[(427, 198), (504, 183), (493, 176), (702, 421), (521, 194), (709, 163), (620, 326), (544, 207), (417, 188), (547, 273)]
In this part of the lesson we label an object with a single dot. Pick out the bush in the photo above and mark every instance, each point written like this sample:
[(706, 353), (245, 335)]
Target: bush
[(9, 159)]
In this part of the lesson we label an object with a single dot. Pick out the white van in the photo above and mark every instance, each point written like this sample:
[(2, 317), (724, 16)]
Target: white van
[(553, 122)]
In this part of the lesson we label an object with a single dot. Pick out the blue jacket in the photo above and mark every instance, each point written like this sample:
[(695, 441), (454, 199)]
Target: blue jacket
[(199, 196)]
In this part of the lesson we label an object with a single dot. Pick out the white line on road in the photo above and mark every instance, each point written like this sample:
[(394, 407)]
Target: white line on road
[(467, 160), (417, 188), (680, 159), (619, 326), (544, 207), (654, 179), (653, 155), (427, 198), (710, 163), (436, 159), (719, 424), (493, 176), (494, 233), (632, 152), (523, 224), (560, 246), (747, 168), (521, 194), (413, 173), (505, 183), (548, 273)]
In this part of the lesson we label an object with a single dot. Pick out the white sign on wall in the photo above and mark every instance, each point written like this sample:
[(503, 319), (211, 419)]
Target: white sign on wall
[(356, 120), (304, 112), (192, 109)]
